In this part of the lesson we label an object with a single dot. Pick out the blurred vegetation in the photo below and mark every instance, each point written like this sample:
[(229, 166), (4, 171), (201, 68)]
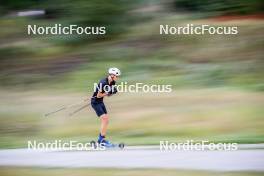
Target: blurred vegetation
[(112, 14), (218, 7), (14, 171), (17, 4), (217, 115), (184, 61)]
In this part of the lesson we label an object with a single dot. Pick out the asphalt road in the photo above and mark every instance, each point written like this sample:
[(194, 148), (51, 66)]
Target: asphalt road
[(243, 159)]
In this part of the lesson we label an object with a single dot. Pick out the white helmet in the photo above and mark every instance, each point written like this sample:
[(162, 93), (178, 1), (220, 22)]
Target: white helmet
[(114, 71)]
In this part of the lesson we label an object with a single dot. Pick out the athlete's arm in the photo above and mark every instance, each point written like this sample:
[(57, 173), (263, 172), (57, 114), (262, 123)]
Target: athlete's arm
[(101, 95)]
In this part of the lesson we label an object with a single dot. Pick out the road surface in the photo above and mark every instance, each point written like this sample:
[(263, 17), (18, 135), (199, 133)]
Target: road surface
[(243, 159)]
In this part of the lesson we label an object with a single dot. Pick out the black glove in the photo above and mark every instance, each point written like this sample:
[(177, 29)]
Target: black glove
[(113, 91)]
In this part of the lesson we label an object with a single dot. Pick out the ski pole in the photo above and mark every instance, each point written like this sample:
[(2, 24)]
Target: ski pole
[(65, 107), (79, 109)]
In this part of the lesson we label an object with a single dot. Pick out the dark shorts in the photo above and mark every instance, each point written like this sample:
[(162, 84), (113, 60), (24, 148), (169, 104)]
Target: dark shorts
[(99, 108)]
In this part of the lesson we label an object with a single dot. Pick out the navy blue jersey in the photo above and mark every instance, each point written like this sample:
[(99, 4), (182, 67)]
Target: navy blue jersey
[(103, 87)]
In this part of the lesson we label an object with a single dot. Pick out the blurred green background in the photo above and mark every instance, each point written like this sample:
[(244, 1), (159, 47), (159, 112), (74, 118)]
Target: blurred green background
[(217, 79)]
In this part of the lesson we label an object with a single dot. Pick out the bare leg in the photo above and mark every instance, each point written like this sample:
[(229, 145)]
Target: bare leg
[(104, 123)]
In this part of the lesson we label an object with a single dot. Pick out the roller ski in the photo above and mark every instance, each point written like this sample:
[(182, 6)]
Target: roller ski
[(102, 142), (107, 145)]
